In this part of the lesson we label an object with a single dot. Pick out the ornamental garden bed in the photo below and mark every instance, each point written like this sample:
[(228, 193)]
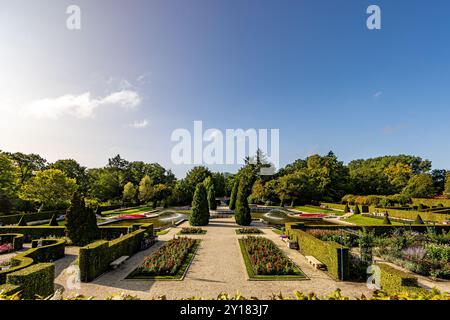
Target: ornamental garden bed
[(265, 261), (170, 262), (248, 231), (185, 231)]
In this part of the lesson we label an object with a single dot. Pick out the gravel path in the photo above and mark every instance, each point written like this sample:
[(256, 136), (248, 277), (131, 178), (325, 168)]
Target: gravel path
[(217, 267)]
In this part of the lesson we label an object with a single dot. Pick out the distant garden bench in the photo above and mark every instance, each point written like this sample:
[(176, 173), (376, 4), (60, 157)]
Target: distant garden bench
[(118, 262), (315, 263)]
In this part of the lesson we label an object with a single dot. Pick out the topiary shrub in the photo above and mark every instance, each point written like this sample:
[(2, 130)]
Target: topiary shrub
[(386, 220), (234, 195), (418, 220), (81, 223), (346, 208), (53, 221), (200, 209), (242, 214), (212, 198), (22, 222), (365, 209), (356, 210)]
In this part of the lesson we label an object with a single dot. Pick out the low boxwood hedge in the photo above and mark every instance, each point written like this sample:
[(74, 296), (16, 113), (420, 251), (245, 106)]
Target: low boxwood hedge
[(95, 258), (29, 217), (332, 254), (35, 232), (396, 281), (37, 280)]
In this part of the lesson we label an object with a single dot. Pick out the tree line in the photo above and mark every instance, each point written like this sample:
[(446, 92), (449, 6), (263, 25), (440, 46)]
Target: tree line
[(28, 182)]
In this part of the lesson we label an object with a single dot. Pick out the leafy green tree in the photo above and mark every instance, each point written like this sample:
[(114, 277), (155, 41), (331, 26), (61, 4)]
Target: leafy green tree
[(105, 184), (129, 192), (242, 214), (234, 195), (53, 221), (212, 198), (49, 188), (438, 177), (74, 170), (8, 183), (28, 165), (418, 220), (419, 186), (160, 192), (81, 223), (197, 175), (447, 185), (145, 189), (200, 210)]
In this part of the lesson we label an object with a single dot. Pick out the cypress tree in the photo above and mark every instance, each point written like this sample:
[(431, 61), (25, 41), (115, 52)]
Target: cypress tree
[(356, 211), (22, 222), (419, 220), (200, 210), (212, 198), (53, 221), (81, 223), (234, 195), (386, 220), (242, 213), (346, 209)]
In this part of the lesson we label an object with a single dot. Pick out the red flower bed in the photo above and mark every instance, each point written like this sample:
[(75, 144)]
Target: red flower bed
[(167, 260), (266, 258), (5, 248), (132, 216)]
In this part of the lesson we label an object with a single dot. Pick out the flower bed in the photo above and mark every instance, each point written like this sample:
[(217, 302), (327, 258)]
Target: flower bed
[(169, 262), (192, 231), (264, 260), (248, 231), (6, 248)]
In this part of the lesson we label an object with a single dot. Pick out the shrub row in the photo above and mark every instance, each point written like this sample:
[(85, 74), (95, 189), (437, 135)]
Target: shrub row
[(16, 239), (404, 214), (377, 229), (51, 249), (332, 254), (37, 280), (35, 232), (95, 258), (431, 202), (396, 281), (29, 217)]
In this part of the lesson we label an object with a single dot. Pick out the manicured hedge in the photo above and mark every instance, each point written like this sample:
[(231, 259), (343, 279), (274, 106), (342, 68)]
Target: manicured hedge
[(332, 254), (16, 239), (51, 250), (431, 202), (395, 281), (95, 258), (35, 232), (35, 280), (29, 217), (404, 214)]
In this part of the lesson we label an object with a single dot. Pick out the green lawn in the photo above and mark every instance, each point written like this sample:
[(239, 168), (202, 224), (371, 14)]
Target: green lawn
[(136, 210), (363, 220), (312, 209)]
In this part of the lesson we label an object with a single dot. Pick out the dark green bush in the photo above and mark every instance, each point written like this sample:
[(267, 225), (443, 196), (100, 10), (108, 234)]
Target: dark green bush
[(53, 221), (200, 209), (418, 220), (356, 210), (242, 213), (37, 280)]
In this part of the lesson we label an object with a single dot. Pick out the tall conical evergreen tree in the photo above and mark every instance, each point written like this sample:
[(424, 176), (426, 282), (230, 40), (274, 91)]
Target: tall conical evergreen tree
[(386, 220), (242, 213), (356, 211), (212, 198), (346, 209), (200, 210), (81, 223), (233, 195), (53, 221), (419, 220), (22, 221)]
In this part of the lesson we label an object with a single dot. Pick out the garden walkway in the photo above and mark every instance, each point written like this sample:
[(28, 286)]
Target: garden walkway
[(217, 267)]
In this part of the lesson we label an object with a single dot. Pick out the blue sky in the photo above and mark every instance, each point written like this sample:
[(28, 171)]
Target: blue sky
[(137, 70)]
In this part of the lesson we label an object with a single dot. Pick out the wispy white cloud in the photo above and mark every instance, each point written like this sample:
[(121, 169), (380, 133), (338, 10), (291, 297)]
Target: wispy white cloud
[(81, 106), (378, 94), (139, 124)]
